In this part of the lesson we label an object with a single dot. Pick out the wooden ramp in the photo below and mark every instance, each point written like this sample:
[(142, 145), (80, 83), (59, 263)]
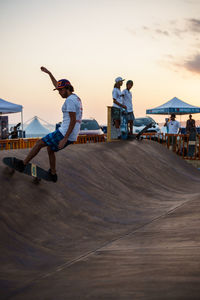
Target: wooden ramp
[(122, 222)]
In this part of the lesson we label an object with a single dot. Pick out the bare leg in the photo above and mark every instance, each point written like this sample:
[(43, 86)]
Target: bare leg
[(117, 124), (34, 151), (131, 127), (52, 160)]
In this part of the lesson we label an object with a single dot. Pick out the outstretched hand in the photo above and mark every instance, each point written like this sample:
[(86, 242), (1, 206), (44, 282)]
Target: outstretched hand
[(62, 143), (43, 69)]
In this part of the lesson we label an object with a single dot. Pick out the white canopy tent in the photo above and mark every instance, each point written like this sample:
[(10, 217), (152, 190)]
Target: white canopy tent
[(10, 108), (35, 128)]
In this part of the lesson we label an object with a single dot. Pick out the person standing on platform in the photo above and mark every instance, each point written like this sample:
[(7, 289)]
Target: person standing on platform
[(127, 101), (117, 103)]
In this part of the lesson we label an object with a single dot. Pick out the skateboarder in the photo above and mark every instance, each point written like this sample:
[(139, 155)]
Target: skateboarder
[(118, 102), (127, 101), (66, 134)]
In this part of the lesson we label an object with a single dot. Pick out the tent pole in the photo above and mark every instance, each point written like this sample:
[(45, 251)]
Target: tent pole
[(22, 121)]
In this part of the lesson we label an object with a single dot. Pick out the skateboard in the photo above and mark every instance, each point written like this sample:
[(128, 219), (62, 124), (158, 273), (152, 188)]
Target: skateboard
[(123, 124), (30, 169), (138, 136)]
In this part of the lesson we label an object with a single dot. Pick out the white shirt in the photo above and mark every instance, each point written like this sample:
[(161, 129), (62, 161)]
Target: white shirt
[(173, 126), (71, 104), (117, 95), (127, 100)]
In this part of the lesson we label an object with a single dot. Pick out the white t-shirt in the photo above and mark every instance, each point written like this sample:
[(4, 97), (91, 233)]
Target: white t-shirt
[(71, 104), (117, 95), (173, 126), (127, 100)]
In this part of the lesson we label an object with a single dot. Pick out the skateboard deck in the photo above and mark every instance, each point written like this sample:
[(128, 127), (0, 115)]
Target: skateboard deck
[(143, 130), (123, 124), (31, 169)]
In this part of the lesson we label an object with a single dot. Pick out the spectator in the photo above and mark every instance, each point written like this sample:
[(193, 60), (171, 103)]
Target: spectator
[(14, 133), (127, 101), (4, 131), (190, 125), (173, 126), (117, 103)]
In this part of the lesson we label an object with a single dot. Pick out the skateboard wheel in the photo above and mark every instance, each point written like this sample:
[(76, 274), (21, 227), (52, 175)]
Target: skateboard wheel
[(9, 171), (36, 180)]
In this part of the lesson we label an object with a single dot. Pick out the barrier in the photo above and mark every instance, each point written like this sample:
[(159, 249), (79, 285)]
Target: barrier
[(30, 142), (17, 143), (83, 139), (154, 136), (178, 143)]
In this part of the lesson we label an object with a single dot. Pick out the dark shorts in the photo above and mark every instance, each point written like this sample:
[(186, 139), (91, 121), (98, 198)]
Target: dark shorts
[(52, 140), (130, 116), (115, 113), (172, 140)]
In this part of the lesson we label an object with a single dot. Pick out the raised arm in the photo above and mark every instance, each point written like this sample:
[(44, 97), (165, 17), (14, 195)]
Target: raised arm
[(54, 81)]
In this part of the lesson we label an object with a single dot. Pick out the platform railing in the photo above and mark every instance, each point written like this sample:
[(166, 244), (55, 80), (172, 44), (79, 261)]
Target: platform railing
[(30, 142)]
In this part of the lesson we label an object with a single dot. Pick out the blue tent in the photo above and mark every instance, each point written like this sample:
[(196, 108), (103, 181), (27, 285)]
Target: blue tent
[(176, 106), (9, 107)]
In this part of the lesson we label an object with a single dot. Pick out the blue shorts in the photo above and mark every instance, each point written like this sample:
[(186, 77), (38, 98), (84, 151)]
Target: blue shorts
[(52, 139)]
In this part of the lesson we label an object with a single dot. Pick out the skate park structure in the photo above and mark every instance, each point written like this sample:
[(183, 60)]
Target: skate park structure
[(122, 222)]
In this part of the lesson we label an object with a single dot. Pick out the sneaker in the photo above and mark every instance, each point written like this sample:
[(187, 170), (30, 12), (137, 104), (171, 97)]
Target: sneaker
[(54, 177), (19, 165)]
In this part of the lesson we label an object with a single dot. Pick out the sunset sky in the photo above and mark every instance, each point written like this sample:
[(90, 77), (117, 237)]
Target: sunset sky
[(89, 42)]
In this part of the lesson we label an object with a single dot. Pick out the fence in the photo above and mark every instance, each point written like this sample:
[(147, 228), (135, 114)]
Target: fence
[(83, 139), (17, 143), (30, 142), (178, 143)]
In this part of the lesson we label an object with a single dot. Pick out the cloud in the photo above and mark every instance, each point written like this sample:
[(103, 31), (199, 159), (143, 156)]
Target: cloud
[(184, 35), (162, 32), (190, 64), (194, 25), (192, 2), (155, 31), (146, 28), (193, 64), (188, 27), (180, 29), (131, 31)]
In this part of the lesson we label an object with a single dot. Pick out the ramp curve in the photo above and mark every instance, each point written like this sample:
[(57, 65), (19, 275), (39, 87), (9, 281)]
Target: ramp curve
[(105, 191)]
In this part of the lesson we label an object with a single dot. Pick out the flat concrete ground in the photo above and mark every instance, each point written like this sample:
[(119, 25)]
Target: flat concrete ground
[(138, 241)]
